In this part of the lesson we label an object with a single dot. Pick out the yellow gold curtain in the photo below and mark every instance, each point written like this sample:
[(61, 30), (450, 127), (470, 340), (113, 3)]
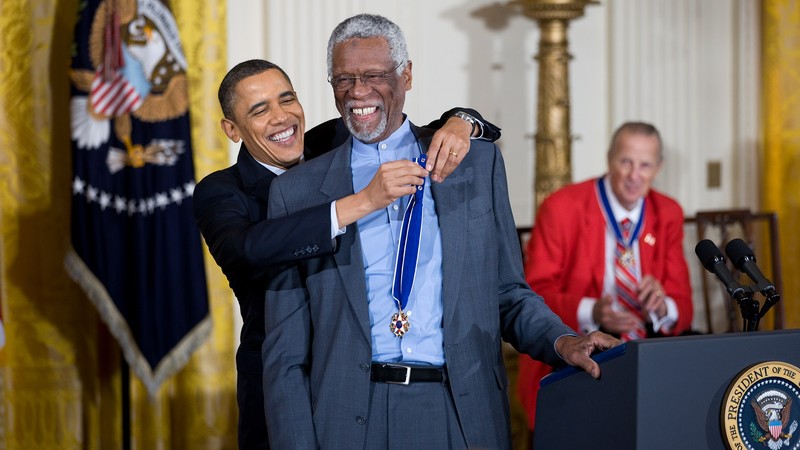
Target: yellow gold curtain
[(59, 371), (781, 106)]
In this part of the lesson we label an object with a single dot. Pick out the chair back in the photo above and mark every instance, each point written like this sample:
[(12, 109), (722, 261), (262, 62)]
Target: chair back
[(760, 231)]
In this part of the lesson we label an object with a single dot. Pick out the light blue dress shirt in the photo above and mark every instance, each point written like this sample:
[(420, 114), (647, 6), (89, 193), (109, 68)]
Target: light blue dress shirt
[(379, 233)]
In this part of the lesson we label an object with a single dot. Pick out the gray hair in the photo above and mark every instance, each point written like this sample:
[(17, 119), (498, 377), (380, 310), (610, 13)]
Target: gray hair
[(642, 128), (363, 26)]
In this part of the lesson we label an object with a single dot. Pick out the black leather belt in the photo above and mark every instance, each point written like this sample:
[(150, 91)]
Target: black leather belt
[(400, 374)]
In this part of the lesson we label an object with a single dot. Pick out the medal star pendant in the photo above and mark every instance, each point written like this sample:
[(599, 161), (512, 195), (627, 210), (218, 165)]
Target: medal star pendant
[(627, 258), (399, 324)]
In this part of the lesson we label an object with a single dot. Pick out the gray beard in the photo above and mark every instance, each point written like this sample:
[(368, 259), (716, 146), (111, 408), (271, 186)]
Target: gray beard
[(367, 137)]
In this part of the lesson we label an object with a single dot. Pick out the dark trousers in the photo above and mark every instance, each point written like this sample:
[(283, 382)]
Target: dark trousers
[(250, 398)]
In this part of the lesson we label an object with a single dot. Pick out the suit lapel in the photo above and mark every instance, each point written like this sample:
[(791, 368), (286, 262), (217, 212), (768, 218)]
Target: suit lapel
[(338, 183), (647, 239), (596, 243), (450, 198), (255, 177)]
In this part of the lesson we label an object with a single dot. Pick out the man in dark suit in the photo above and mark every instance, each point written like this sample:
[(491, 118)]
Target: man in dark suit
[(261, 109), (353, 356)]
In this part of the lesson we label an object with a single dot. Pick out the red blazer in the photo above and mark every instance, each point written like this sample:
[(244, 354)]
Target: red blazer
[(566, 256)]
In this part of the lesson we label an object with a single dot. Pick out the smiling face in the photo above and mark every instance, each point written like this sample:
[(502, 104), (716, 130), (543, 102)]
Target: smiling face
[(632, 165), (268, 117), (372, 112)]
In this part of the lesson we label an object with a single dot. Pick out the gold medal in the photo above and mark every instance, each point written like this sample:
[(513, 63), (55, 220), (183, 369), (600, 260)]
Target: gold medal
[(399, 324), (627, 258)]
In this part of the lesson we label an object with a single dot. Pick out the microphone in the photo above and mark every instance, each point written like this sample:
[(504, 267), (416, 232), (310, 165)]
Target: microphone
[(714, 262), (743, 259)]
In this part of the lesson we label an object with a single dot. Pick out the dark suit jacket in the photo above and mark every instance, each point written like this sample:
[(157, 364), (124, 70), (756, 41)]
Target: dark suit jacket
[(318, 349)]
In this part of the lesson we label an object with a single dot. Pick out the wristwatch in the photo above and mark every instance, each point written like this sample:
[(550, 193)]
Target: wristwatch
[(469, 119)]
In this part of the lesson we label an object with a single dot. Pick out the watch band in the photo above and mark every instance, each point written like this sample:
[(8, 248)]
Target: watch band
[(469, 119)]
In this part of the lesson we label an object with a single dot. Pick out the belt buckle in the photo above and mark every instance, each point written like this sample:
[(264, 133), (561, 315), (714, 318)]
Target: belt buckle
[(408, 374)]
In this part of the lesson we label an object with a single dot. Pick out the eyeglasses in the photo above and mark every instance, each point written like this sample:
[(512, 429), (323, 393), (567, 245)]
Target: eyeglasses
[(346, 82)]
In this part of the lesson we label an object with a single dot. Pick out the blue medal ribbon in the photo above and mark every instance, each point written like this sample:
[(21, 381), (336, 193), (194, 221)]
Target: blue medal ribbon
[(612, 222), (405, 267)]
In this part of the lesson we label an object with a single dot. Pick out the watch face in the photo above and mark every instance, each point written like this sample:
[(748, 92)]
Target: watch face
[(465, 116)]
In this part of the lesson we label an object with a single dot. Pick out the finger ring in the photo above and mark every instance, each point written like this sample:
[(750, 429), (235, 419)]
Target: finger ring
[(659, 293), (453, 154)]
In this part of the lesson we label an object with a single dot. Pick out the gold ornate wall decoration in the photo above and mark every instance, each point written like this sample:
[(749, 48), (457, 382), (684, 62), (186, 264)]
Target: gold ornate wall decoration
[(553, 135)]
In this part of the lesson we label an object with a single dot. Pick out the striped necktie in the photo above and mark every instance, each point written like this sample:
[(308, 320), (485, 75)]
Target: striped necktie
[(626, 282)]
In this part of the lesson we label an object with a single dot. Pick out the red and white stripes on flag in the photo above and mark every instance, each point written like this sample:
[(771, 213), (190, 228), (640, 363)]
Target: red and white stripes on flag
[(114, 95), (111, 94)]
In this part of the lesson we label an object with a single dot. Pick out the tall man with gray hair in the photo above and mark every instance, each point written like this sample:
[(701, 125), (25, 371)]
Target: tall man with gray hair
[(394, 341)]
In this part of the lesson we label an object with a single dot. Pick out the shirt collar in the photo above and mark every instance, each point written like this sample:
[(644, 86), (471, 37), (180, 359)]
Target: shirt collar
[(278, 170), (400, 137)]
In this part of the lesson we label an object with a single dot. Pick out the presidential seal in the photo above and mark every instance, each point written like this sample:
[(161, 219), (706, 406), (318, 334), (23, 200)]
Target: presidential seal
[(761, 408)]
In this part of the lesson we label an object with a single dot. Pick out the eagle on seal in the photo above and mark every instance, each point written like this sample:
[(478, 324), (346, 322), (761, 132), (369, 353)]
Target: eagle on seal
[(773, 416)]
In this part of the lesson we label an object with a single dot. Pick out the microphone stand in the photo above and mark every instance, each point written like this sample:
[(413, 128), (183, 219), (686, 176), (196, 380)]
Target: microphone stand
[(772, 297), (751, 315), (749, 308)]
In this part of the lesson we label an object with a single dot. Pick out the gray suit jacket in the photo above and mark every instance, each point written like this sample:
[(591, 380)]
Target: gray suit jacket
[(317, 350)]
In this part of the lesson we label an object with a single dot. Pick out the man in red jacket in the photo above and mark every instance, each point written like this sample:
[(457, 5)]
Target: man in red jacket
[(607, 253)]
